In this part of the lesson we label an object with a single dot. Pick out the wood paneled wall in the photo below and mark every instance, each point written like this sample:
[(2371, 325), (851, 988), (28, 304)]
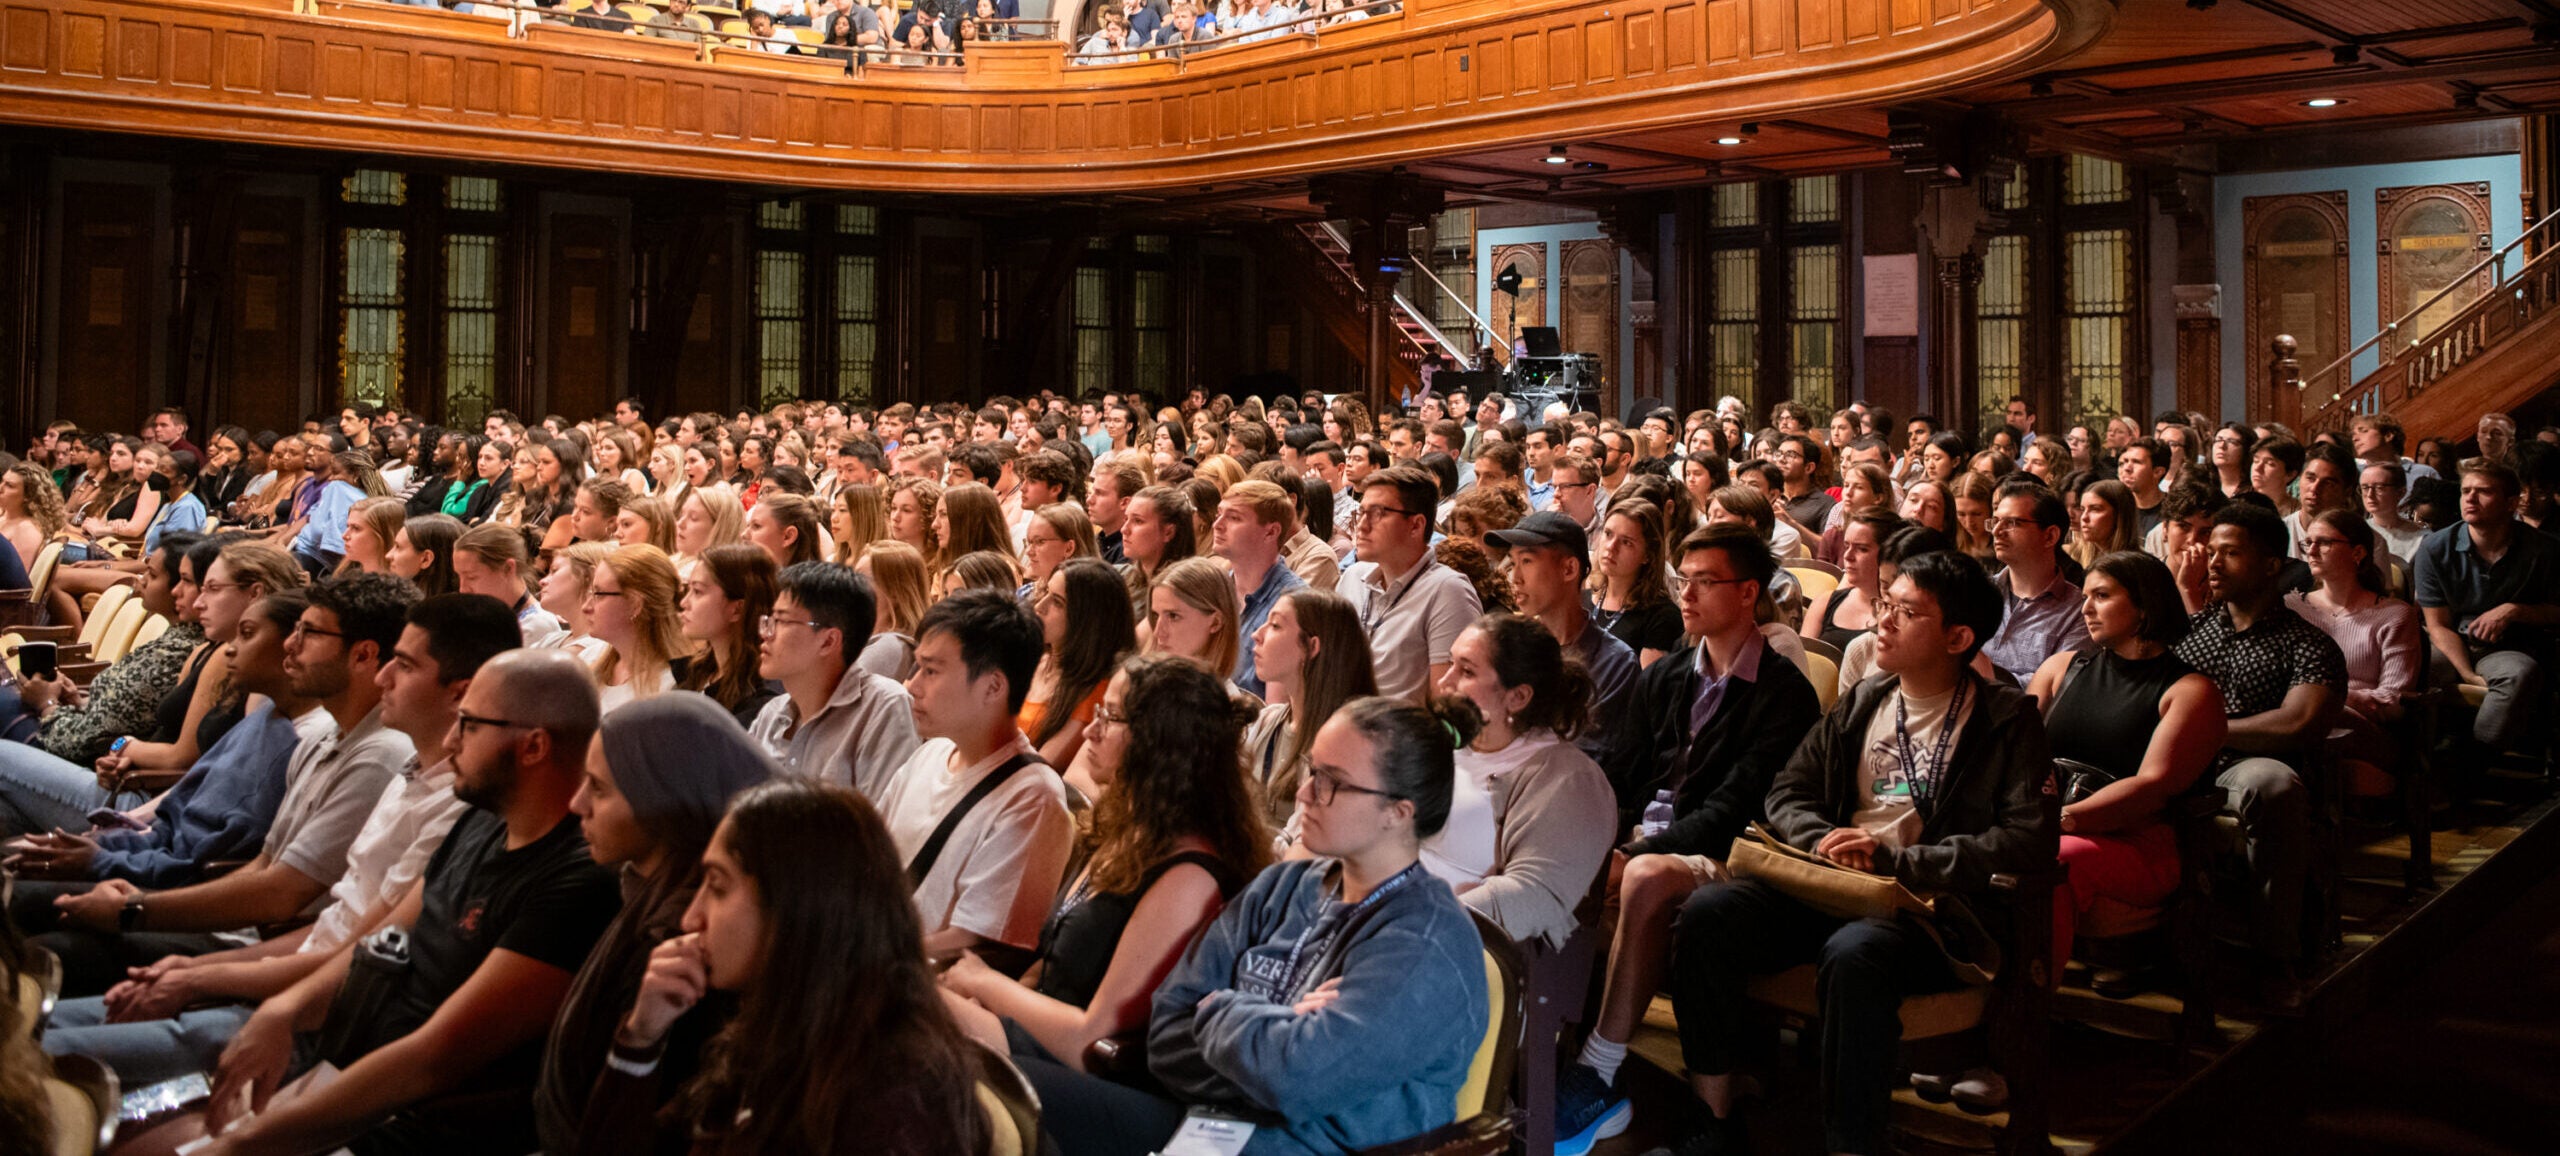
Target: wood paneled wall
[(1444, 76)]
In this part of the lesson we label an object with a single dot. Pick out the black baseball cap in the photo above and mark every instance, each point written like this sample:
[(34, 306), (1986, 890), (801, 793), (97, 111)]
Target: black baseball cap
[(1549, 529)]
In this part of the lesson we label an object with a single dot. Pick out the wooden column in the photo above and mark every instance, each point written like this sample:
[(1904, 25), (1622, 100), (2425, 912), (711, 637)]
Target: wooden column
[(1379, 208), (2187, 199), (1951, 220)]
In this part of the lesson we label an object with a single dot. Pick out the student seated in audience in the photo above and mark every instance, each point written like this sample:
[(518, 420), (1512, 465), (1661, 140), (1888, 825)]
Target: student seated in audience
[(371, 524), (726, 599), (802, 917), (1314, 658), (1253, 519), (436, 1055), (2490, 591), (334, 655), (2040, 604), (422, 552), (1932, 776), (1631, 585), (490, 559), (2382, 488), (1086, 630), (2104, 522), (833, 722), (2127, 705), (563, 593), (1411, 606), (1337, 1002), (706, 517), (1710, 728), (2327, 482), (631, 607), (786, 526), (174, 1016), (1531, 818), (2272, 467), (49, 781), (1850, 612), (2383, 639), (659, 776), (1194, 615), (1157, 532), (221, 809), (1175, 832), (981, 820), (1550, 560), (2281, 680)]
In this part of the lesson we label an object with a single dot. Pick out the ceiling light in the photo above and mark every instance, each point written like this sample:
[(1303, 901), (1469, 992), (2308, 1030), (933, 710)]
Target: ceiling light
[(1728, 140), (1555, 155), (2322, 102)]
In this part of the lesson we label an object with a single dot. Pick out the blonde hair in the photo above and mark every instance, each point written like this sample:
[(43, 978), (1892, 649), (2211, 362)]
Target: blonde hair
[(648, 577), (1219, 468), (1208, 588), (728, 514), (42, 498), (866, 514), (898, 574), (653, 510)]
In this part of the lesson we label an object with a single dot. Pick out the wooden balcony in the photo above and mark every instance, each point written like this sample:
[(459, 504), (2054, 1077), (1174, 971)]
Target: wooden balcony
[(1444, 77)]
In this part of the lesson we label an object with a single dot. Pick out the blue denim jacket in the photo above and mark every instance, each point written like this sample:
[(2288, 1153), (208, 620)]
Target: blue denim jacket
[(1382, 1064), (220, 810)]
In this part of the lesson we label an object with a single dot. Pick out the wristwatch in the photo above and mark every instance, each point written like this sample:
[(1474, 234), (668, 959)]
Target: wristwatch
[(130, 919)]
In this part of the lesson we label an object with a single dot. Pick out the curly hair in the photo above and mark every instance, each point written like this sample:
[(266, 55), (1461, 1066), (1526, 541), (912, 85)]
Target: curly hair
[(1467, 556), (43, 499), (1182, 774), (928, 495)]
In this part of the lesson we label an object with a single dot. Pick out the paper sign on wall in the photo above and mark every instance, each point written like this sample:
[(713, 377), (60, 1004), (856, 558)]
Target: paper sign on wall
[(1893, 295)]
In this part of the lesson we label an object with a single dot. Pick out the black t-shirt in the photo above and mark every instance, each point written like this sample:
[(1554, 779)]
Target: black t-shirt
[(545, 900), (1654, 627)]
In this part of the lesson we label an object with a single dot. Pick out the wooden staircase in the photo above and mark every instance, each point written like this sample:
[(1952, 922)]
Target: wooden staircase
[(2497, 353), (1315, 258)]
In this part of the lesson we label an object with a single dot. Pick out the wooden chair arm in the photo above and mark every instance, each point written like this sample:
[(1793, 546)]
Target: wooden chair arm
[(1486, 1134), (46, 633), (83, 672)]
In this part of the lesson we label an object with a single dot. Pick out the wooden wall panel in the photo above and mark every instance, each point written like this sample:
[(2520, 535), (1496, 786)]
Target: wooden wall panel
[(108, 303), (583, 313), (1438, 79), (262, 336)]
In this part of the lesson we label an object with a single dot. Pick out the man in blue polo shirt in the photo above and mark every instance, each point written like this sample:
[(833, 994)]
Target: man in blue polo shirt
[(2490, 590)]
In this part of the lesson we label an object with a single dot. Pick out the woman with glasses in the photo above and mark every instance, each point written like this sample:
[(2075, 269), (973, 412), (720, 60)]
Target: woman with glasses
[(563, 592), (1634, 586), (2384, 639), (2381, 488), (1174, 836), (1051, 536), (1312, 657), (1531, 818), (725, 598), (2232, 453), (1088, 626), (631, 606), (1340, 998)]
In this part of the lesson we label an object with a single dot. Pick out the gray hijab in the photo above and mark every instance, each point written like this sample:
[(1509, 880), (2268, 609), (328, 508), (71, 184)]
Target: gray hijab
[(679, 758)]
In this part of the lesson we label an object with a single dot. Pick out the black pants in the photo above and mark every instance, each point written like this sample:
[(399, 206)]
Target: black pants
[(1084, 1115), (1730, 932), (93, 961)]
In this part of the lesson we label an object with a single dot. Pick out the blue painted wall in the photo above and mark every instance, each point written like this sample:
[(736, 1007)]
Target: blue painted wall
[(1494, 307), (2506, 219)]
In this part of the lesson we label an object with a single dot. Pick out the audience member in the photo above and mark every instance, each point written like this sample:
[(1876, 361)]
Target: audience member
[(1253, 519), (1086, 630), (2040, 605), (2490, 591), (834, 722), (1550, 561), (490, 559), (1632, 581), (2383, 639), (725, 602)]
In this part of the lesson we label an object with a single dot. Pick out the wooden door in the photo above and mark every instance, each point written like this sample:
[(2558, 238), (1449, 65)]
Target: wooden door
[(582, 316), (263, 330)]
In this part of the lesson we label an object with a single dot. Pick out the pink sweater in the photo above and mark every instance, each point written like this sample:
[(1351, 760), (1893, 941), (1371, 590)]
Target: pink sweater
[(2385, 645)]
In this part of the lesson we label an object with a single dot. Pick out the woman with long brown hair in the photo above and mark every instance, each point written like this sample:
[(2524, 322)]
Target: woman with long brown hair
[(1632, 582), (803, 912), (859, 518), (1175, 835), (729, 592), (1312, 657), (646, 518), (970, 518), (1085, 617)]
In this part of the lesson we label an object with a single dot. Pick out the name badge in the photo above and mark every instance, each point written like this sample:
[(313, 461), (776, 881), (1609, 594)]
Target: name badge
[(1208, 1133)]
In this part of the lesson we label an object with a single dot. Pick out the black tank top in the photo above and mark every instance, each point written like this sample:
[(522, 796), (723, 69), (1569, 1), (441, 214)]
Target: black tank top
[(1077, 944), (2109, 706), (1832, 631)]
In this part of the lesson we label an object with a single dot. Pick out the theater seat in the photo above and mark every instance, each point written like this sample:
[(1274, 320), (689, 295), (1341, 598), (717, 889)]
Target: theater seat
[(1923, 1017)]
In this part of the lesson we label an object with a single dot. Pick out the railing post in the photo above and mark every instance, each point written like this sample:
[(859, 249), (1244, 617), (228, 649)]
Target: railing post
[(2284, 369)]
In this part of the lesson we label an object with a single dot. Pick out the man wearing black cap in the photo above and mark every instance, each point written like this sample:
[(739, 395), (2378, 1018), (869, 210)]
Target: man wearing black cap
[(1550, 557)]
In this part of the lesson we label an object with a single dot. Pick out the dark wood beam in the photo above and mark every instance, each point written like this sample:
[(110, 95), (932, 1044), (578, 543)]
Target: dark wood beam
[(2331, 79)]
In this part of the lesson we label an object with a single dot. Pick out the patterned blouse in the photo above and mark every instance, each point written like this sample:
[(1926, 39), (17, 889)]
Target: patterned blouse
[(123, 700)]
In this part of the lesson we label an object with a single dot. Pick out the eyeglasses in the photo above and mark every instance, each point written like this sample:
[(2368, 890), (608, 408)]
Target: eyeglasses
[(1575, 485), (1371, 513), (1323, 785), (1680, 583), (1105, 715), (209, 587), (301, 630), (2000, 525), (1890, 608), (466, 720), (2379, 488), (770, 624), (2310, 545)]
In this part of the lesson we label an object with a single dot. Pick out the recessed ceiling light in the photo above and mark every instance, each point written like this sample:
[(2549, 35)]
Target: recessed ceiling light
[(1555, 155), (1728, 140), (2322, 102)]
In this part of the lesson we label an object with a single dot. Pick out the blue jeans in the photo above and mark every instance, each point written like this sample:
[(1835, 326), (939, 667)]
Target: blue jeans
[(41, 791), (149, 1051)]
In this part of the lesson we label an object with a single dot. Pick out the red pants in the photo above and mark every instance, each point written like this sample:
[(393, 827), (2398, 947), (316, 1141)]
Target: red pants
[(2136, 867)]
